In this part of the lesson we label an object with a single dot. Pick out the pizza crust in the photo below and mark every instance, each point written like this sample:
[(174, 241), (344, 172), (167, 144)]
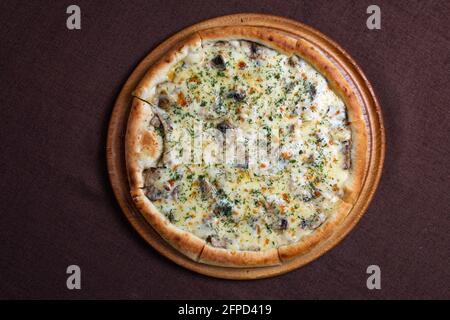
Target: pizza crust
[(228, 258), (143, 147), (138, 139), (265, 36), (158, 72), (354, 112), (185, 242), (358, 169), (305, 245)]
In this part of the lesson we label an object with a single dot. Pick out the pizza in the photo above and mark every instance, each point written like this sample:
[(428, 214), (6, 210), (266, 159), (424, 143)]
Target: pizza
[(245, 147)]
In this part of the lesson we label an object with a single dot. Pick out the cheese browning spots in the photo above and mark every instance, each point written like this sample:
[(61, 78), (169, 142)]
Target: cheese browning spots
[(230, 85)]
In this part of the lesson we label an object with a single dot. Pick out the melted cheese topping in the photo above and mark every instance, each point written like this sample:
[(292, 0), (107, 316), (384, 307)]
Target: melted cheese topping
[(260, 203)]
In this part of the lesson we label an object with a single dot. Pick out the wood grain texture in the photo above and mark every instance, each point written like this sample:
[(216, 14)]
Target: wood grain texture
[(352, 72)]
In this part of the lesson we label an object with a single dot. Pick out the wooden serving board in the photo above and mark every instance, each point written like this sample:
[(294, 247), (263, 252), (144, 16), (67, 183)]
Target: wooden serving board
[(373, 117)]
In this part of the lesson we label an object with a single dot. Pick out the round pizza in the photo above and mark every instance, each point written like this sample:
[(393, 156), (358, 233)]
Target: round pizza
[(245, 147)]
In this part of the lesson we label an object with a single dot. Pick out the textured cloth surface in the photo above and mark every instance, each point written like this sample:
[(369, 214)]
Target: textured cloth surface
[(57, 91)]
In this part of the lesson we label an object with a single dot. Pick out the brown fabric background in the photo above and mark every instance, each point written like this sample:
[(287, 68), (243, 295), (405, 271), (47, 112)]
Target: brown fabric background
[(56, 205)]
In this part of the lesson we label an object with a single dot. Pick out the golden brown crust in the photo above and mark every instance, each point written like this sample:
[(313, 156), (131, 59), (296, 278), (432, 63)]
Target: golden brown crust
[(308, 242), (143, 149), (266, 36), (335, 79), (341, 86), (185, 242), (359, 160), (228, 258), (140, 140), (143, 146), (158, 72)]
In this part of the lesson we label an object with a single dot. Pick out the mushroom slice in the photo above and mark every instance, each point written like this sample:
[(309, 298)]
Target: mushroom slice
[(236, 95), (294, 61), (208, 190), (164, 118), (163, 102), (314, 221), (347, 150), (281, 225), (158, 184), (167, 124), (224, 125), (301, 188), (312, 91), (216, 242), (222, 205), (255, 50), (218, 62), (154, 194)]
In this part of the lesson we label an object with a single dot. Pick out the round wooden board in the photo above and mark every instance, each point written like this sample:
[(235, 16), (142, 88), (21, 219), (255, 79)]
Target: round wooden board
[(373, 117)]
